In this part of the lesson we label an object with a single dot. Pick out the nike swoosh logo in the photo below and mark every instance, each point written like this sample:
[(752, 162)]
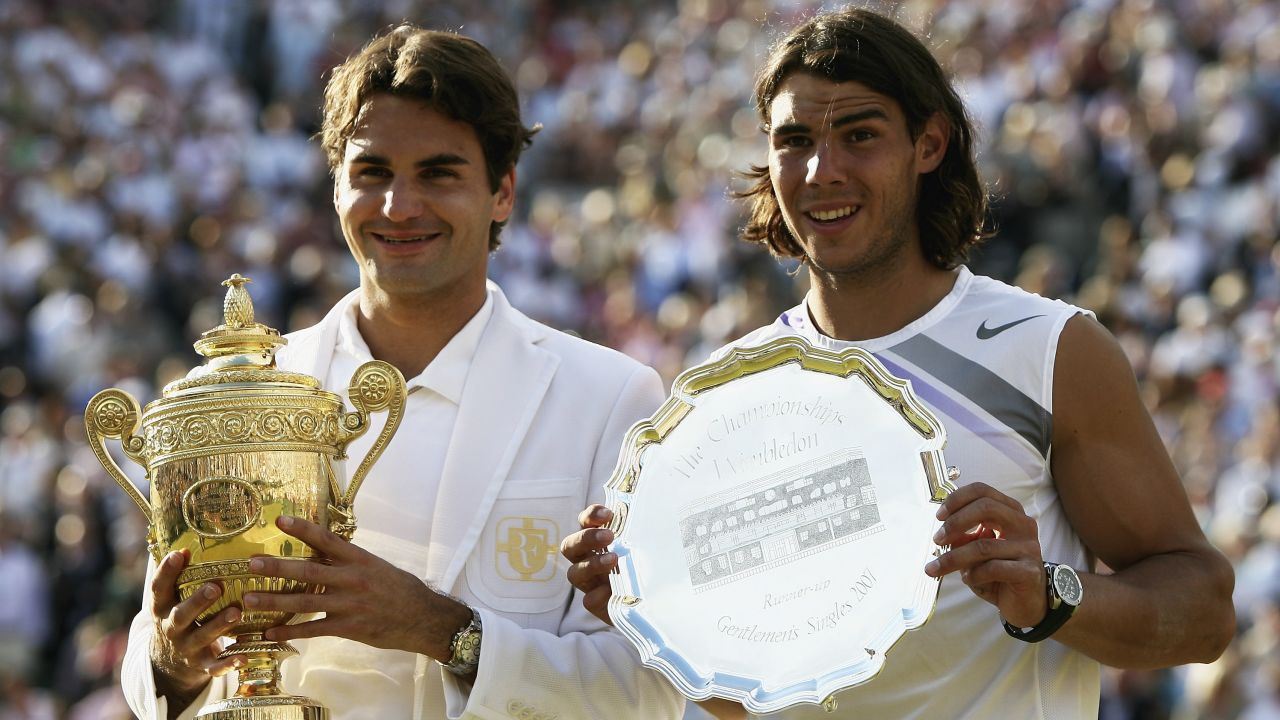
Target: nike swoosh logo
[(986, 333)]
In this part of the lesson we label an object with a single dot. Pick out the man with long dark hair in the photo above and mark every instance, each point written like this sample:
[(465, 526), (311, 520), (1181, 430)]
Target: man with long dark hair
[(871, 183)]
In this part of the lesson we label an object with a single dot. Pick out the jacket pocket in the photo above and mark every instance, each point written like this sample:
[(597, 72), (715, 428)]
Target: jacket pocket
[(517, 566)]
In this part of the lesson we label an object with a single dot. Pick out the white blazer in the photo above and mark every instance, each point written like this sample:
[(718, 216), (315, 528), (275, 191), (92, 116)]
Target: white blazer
[(537, 434)]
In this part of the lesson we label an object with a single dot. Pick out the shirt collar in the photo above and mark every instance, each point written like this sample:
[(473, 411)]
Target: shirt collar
[(800, 320), (447, 373)]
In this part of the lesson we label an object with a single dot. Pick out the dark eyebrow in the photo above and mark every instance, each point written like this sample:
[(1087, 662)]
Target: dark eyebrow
[(850, 119), (861, 115), (437, 160)]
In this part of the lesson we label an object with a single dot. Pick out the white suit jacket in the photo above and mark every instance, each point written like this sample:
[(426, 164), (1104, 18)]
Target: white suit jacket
[(537, 434)]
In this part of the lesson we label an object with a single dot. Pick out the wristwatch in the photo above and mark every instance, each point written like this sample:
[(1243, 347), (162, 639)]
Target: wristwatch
[(464, 649), (1065, 593)]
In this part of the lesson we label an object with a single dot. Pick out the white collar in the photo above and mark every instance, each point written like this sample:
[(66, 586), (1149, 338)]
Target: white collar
[(800, 319), (447, 373)]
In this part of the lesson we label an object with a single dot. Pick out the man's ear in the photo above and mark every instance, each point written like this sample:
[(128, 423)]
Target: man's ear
[(931, 145), (504, 198)]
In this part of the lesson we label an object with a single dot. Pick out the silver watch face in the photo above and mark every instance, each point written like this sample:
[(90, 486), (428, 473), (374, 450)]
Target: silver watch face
[(467, 651), (1067, 584), (465, 648)]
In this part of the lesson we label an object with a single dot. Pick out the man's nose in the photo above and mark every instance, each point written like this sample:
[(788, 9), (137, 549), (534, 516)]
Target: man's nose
[(401, 202), (824, 166)]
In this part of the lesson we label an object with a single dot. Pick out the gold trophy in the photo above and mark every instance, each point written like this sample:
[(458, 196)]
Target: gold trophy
[(227, 450)]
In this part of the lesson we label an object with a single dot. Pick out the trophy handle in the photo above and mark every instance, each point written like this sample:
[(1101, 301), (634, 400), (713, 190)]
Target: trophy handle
[(115, 414), (377, 385)]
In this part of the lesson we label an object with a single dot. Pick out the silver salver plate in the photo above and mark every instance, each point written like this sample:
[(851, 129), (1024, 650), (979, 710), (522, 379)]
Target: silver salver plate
[(773, 520)]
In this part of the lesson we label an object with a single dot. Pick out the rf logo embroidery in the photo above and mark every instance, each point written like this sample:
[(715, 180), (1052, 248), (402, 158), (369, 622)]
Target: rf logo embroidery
[(527, 548)]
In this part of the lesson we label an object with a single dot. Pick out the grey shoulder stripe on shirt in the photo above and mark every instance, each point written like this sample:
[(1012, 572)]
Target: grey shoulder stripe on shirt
[(982, 387)]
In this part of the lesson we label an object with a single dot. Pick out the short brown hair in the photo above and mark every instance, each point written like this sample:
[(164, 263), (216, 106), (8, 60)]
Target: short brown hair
[(859, 45), (452, 74)]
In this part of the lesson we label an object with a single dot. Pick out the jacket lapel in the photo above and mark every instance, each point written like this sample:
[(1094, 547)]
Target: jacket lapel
[(311, 350), (505, 385)]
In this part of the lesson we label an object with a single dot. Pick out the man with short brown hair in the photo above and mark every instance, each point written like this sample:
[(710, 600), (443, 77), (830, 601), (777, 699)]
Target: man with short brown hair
[(449, 600)]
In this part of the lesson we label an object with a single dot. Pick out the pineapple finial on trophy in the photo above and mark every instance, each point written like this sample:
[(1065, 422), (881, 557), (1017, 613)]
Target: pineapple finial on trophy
[(240, 340), (237, 306)]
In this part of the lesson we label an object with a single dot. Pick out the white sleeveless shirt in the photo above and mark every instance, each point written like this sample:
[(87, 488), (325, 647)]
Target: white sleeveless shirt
[(982, 360)]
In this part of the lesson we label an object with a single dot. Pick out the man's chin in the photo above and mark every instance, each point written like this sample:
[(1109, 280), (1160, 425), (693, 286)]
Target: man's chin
[(850, 267)]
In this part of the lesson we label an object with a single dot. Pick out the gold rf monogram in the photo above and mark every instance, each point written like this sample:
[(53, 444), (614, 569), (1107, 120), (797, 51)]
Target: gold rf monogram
[(527, 548)]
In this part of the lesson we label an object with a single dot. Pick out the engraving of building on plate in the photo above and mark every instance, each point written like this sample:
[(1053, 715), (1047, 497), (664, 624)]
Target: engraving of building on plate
[(779, 519)]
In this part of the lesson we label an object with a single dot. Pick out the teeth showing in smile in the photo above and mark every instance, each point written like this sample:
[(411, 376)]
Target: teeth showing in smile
[(828, 215), (392, 240)]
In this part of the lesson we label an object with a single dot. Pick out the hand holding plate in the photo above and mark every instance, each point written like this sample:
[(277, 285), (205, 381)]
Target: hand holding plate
[(996, 549), (587, 550)]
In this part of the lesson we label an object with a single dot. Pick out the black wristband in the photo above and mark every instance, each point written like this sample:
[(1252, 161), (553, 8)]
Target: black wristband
[(1053, 620)]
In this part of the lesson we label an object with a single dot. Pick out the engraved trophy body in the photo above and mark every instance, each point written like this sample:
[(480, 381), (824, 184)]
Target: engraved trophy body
[(227, 450)]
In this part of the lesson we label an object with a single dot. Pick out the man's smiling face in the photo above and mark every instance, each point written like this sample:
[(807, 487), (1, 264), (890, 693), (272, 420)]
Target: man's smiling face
[(414, 200), (846, 172)]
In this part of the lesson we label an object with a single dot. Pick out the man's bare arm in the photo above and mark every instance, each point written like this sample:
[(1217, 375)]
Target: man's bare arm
[(1169, 599), (1166, 599)]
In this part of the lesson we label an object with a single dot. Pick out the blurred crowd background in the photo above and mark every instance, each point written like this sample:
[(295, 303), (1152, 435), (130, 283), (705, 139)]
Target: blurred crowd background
[(150, 149)]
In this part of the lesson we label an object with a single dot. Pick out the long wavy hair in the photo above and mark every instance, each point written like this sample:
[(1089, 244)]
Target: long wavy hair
[(859, 45), (454, 75)]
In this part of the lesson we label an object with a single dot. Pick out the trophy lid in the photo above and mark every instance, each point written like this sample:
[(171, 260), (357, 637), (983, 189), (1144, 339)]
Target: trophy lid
[(239, 350), (239, 334)]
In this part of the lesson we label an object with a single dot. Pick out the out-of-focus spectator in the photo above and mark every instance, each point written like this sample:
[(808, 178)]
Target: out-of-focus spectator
[(24, 602)]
